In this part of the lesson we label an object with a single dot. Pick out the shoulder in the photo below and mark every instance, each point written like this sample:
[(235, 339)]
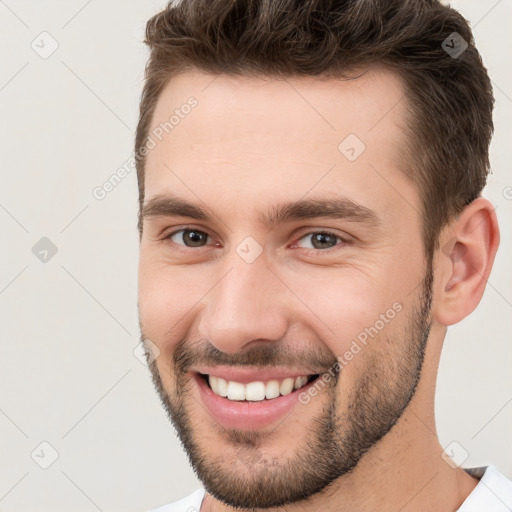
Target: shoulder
[(492, 494), (190, 503)]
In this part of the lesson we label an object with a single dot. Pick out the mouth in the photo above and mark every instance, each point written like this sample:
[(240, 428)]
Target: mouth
[(258, 390), (249, 399)]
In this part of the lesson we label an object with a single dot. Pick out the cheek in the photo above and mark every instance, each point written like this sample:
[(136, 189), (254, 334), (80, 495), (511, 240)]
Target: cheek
[(167, 297), (369, 352), (349, 308)]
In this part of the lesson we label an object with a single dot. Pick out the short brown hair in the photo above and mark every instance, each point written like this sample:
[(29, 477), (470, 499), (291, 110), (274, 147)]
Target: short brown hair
[(449, 97)]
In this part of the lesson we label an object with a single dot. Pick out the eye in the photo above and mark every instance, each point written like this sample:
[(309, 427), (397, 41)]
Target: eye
[(189, 237), (319, 240)]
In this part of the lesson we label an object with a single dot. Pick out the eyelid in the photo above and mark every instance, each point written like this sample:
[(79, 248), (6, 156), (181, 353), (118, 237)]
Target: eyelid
[(168, 235), (325, 231), (343, 240)]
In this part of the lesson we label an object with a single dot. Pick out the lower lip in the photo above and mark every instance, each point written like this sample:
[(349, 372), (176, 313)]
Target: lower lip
[(245, 415)]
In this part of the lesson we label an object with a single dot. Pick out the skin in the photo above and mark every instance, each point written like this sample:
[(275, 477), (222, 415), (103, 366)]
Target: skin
[(253, 143)]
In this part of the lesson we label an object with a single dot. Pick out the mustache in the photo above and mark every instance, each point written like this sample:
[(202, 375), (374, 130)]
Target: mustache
[(269, 354)]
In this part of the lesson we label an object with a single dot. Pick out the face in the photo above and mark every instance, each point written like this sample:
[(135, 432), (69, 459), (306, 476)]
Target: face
[(282, 278)]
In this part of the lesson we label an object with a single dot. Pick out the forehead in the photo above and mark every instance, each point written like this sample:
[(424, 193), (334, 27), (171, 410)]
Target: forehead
[(367, 104), (245, 134)]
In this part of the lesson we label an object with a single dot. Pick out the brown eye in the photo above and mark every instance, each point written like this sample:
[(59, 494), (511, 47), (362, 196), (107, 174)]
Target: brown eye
[(319, 240), (189, 237)]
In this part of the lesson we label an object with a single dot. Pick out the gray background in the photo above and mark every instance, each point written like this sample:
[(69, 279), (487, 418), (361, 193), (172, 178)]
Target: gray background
[(68, 373)]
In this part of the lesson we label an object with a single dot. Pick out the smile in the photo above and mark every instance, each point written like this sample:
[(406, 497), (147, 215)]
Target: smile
[(244, 399), (258, 390)]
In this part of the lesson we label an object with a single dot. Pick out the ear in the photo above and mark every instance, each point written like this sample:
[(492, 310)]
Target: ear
[(463, 263)]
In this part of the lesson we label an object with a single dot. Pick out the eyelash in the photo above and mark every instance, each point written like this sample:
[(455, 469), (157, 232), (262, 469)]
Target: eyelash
[(184, 248), (340, 240)]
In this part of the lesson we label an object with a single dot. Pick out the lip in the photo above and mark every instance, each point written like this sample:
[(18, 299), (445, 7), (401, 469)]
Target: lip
[(245, 415), (246, 375)]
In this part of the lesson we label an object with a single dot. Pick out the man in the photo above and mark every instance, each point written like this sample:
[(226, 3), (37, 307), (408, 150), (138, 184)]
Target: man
[(311, 221)]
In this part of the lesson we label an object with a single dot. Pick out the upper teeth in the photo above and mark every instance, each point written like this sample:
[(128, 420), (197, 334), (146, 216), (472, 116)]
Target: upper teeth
[(255, 391)]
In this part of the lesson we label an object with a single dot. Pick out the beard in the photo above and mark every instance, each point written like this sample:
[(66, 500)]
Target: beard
[(335, 441)]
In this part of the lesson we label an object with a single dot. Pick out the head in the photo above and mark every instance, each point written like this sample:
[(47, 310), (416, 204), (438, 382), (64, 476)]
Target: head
[(312, 210)]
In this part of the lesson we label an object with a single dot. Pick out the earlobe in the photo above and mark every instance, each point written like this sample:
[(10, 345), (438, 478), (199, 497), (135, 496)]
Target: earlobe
[(464, 262)]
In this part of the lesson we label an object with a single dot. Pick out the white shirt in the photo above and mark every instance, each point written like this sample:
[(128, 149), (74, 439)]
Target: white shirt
[(493, 493)]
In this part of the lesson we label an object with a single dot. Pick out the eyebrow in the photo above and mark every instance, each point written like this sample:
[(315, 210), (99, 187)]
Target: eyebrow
[(337, 208)]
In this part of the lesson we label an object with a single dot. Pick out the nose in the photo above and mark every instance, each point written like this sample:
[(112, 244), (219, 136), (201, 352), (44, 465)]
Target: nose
[(245, 308)]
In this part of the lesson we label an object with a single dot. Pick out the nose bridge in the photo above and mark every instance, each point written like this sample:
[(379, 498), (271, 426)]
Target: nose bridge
[(244, 306)]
